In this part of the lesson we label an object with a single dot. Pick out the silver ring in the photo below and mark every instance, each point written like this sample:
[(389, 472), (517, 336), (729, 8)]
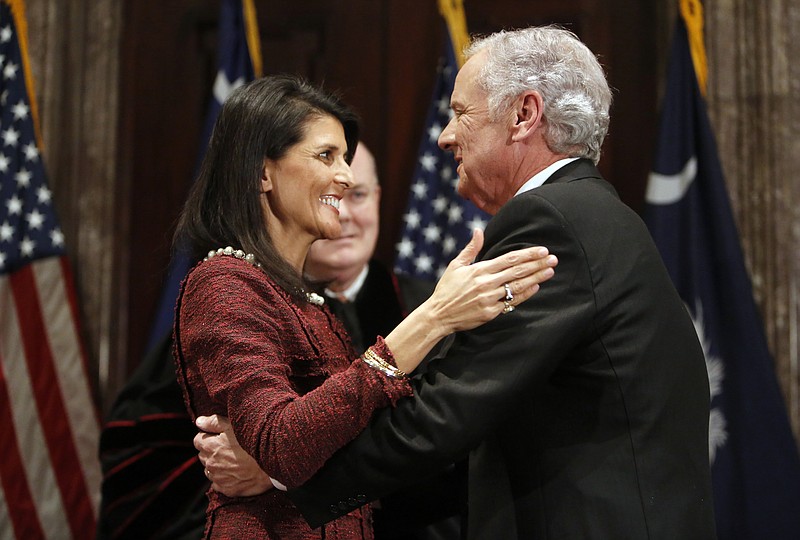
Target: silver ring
[(507, 307), (509, 296)]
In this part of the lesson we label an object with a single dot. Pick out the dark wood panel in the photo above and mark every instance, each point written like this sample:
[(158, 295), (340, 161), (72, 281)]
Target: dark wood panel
[(411, 53), (167, 65), (623, 35)]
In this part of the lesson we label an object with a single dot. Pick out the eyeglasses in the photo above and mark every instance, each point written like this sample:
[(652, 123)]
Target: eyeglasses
[(358, 195)]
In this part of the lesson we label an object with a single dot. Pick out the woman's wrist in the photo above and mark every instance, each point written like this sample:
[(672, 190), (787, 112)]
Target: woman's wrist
[(433, 318), (414, 337)]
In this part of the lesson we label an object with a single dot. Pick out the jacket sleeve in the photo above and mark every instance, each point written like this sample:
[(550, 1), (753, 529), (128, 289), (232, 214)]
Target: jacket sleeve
[(233, 327), (478, 383)]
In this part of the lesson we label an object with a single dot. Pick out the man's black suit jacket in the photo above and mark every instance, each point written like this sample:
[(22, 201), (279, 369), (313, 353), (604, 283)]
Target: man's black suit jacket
[(584, 413)]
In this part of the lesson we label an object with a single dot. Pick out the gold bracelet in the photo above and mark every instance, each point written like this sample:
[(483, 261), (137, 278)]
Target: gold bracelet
[(374, 361), (374, 365), (374, 356)]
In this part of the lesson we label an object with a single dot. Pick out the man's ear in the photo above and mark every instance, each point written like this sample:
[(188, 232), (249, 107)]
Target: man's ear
[(528, 112), (266, 176)]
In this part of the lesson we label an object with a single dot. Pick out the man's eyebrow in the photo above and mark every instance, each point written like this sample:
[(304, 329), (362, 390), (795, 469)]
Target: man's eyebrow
[(457, 105)]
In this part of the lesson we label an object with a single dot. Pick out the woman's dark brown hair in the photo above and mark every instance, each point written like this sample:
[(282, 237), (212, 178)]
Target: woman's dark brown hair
[(260, 120)]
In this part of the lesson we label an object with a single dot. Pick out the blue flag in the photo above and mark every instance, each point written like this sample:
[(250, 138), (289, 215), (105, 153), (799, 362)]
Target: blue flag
[(755, 463), (437, 222), (234, 68)]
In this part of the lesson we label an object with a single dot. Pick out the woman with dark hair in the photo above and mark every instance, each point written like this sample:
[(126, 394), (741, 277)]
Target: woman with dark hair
[(253, 343)]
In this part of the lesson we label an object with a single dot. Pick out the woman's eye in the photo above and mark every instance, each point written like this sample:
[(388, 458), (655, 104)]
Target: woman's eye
[(326, 155)]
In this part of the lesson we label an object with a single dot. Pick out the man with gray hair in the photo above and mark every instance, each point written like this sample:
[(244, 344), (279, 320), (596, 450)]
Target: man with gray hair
[(584, 412)]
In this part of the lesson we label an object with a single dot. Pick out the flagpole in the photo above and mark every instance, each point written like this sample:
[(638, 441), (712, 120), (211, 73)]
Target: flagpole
[(252, 36), (456, 20), (692, 14), (21, 22)]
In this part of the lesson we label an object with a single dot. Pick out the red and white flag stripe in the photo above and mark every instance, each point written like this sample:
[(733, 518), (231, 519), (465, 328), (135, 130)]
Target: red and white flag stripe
[(49, 470)]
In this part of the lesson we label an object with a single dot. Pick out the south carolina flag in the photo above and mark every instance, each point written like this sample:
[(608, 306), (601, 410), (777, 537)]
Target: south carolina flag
[(755, 464)]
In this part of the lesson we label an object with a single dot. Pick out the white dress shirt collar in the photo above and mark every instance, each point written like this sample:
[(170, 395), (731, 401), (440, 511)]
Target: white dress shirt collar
[(351, 292), (542, 176)]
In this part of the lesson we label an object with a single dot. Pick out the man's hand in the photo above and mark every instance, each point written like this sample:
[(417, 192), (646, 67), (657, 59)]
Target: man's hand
[(232, 471)]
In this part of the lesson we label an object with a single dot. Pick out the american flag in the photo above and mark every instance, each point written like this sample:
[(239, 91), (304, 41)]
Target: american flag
[(49, 472), (755, 464), (437, 222)]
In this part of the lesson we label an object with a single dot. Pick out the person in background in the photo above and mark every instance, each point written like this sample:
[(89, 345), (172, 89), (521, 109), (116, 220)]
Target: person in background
[(584, 413), (363, 293), (254, 343)]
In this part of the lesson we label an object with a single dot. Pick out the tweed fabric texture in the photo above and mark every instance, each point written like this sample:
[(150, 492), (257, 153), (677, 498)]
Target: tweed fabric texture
[(288, 379)]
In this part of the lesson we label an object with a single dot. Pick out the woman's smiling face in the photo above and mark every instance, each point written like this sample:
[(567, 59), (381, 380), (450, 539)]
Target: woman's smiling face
[(304, 187)]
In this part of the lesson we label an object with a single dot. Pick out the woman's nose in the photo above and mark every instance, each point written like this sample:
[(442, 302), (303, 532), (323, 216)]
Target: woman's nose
[(344, 176)]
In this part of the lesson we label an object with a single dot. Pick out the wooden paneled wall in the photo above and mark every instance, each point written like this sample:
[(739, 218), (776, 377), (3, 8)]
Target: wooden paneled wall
[(753, 89), (74, 53)]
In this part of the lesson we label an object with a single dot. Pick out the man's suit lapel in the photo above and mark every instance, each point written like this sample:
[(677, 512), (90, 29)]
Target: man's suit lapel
[(578, 169)]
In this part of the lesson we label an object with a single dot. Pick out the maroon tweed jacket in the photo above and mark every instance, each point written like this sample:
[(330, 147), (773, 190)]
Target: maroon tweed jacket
[(285, 376)]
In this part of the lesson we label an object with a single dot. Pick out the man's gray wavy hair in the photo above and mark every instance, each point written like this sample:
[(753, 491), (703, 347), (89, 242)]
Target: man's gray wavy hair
[(555, 63)]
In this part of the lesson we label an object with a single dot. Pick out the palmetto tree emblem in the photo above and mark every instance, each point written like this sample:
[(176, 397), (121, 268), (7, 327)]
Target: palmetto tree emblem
[(717, 425)]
